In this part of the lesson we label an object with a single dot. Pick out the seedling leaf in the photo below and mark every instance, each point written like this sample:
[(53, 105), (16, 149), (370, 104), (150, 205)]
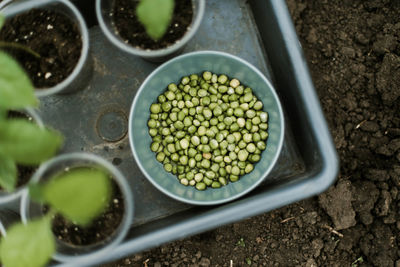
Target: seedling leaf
[(241, 242), (155, 15), (28, 245), (36, 192), (27, 143), (16, 89), (3, 114), (8, 173), (80, 194)]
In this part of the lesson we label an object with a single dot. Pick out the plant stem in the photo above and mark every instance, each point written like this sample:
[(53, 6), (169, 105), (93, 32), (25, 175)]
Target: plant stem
[(20, 47)]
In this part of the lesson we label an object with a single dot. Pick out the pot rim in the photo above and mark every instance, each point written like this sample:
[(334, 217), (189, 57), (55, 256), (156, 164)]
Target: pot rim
[(3, 231)]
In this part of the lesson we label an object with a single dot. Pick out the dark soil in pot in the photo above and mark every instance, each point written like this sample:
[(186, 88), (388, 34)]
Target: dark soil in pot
[(133, 33), (101, 228), (24, 174), (50, 34)]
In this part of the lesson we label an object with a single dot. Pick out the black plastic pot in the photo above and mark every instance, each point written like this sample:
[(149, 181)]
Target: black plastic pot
[(82, 72)]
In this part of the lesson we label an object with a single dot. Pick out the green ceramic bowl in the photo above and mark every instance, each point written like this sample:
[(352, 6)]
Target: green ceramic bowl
[(173, 71)]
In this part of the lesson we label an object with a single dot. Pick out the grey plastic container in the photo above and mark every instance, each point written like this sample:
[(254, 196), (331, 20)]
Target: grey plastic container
[(104, 9), (258, 31), (81, 74)]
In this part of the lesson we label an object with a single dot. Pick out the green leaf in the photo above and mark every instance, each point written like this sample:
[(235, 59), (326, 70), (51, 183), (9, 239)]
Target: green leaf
[(16, 89), (80, 194), (27, 143), (155, 15), (3, 114), (8, 173), (28, 245), (36, 192)]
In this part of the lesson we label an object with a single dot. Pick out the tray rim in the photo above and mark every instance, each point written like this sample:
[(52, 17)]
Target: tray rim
[(306, 186)]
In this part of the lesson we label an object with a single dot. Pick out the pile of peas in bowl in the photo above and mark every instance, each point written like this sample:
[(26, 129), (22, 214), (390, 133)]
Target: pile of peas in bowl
[(208, 130)]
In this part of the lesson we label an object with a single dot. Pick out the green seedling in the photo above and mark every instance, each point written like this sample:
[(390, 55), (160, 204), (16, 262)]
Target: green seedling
[(20, 246), (19, 47), (155, 15), (24, 143), (17, 91), (21, 142), (79, 195), (241, 242), (357, 261)]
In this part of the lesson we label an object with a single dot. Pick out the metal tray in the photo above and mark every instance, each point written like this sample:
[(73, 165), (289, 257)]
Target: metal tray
[(95, 120)]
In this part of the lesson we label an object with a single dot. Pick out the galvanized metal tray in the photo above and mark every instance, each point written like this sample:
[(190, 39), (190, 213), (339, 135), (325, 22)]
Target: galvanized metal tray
[(95, 119)]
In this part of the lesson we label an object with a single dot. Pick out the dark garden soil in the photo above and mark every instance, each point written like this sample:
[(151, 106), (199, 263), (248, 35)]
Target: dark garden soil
[(130, 29), (101, 228), (50, 34), (353, 52), (24, 172)]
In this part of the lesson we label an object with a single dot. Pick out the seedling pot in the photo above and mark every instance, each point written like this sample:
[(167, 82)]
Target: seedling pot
[(103, 11), (11, 199), (67, 252), (81, 74)]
